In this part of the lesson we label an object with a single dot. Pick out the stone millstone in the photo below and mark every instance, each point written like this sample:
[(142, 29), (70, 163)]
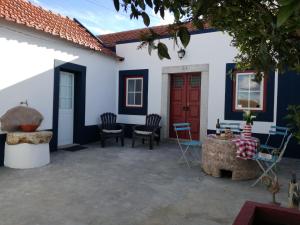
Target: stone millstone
[(20, 115), (39, 137)]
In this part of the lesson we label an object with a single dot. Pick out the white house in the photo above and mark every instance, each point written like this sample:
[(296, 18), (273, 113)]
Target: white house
[(72, 76), (198, 88)]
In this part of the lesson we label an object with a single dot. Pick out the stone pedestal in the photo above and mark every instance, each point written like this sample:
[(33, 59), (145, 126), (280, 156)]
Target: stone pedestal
[(218, 155), (27, 150)]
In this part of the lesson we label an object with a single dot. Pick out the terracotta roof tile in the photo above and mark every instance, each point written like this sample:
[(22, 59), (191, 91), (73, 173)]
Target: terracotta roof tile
[(112, 39), (23, 12)]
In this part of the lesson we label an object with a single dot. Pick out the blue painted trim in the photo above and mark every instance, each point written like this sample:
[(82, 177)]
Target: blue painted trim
[(122, 109), (288, 94), (2, 147), (79, 100), (267, 116), (200, 31)]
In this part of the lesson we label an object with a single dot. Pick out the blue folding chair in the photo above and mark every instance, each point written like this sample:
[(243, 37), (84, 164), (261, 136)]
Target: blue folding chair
[(275, 131), (267, 165), (187, 146), (234, 127)]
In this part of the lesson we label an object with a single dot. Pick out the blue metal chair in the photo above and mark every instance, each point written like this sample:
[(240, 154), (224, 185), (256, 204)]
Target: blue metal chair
[(186, 146), (275, 130), (234, 127), (267, 165)]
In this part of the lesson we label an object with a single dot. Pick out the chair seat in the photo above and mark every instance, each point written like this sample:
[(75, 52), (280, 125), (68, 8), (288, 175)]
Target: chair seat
[(192, 143), (268, 147), (143, 132), (112, 131), (272, 160)]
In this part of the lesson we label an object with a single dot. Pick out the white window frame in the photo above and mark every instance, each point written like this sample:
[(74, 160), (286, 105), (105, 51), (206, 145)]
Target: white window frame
[(134, 92), (262, 91)]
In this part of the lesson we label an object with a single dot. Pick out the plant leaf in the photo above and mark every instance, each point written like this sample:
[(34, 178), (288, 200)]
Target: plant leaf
[(162, 12), (184, 36), (146, 19), (117, 5), (162, 51), (149, 3), (141, 3), (286, 11)]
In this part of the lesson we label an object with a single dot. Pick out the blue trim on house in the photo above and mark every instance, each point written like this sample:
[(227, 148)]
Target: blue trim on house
[(2, 147), (79, 101), (122, 109), (200, 31), (229, 114), (288, 94)]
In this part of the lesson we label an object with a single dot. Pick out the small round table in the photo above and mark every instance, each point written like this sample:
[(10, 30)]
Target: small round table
[(221, 155)]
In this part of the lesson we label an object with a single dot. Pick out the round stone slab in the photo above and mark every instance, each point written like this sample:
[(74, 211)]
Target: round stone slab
[(20, 115), (38, 137)]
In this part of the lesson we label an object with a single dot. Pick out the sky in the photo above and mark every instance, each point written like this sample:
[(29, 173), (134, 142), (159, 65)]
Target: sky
[(99, 16)]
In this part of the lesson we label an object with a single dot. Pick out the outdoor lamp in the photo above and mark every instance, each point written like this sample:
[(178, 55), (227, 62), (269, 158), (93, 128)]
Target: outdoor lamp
[(181, 53)]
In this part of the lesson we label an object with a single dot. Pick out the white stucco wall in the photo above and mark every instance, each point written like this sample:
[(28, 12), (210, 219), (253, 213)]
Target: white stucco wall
[(27, 72), (208, 48)]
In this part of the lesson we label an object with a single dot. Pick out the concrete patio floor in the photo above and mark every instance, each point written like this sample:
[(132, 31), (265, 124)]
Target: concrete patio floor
[(125, 186)]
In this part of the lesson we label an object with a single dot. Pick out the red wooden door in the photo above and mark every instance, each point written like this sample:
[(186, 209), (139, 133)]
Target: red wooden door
[(185, 103)]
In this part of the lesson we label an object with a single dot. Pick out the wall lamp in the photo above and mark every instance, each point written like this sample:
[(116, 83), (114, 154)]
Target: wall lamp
[(181, 53)]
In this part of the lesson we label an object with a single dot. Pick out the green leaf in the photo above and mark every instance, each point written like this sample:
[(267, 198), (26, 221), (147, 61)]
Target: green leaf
[(146, 19), (286, 11), (162, 12), (141, 3), (286, 2), (184, 36), (117, 5), (149, 3), (156, 8), (162, 51)]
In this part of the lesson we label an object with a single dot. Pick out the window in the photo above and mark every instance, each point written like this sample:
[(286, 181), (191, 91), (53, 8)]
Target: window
[(249, 94), (134, 92)]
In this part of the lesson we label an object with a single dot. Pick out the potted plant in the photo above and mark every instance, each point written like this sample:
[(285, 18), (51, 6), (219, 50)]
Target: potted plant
[(248, 118)]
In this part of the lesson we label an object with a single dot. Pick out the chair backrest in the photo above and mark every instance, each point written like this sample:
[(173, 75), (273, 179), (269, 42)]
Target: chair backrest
[(153, 120), (182, 127), (234, 127), (282, 151), (108, 119), (276, 130)]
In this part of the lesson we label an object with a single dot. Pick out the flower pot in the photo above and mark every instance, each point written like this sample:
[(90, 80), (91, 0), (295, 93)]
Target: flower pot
[(28, 127), (247, 131)]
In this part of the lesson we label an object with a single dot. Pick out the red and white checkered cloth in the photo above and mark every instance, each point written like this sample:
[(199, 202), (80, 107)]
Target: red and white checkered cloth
[(246, 147)]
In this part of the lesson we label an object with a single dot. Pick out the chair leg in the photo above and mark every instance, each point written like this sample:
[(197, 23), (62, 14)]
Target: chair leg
[(102, 142), (122, 141), (143, 141), (157, 141), (265, 172), (150, 142), (117, 139), (133, 141)]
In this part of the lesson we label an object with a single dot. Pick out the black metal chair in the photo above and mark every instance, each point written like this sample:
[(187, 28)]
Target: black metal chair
[(109, 128), (150, 131)]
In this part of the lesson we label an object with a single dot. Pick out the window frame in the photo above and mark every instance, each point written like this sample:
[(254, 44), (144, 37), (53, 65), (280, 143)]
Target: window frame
[(263, 90), (127, 78)]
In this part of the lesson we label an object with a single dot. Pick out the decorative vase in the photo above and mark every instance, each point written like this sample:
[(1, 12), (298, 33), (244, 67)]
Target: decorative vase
[(28, 127), (247, 131)]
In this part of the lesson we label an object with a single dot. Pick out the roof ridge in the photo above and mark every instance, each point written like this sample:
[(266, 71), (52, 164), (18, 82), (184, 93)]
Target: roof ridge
[(138, 29)]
